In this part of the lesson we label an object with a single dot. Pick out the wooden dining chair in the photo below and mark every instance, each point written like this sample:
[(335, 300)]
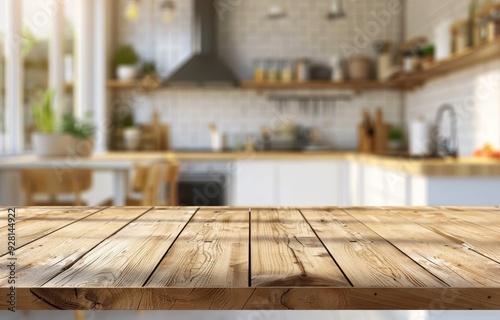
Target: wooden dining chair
[(53, 183), (149, 178)]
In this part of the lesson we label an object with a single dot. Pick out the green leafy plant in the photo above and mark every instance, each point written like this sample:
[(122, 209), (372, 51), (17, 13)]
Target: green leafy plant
[(123, 119), (43, 113), (149, 68), (395, 134), (429, 50), (29, 41), (126, 55), (82, 129)]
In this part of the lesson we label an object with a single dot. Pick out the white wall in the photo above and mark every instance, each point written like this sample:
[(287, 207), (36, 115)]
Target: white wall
[(475, 92), (247, 34)]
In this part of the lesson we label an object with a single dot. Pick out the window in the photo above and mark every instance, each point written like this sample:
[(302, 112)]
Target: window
[(35, 50)]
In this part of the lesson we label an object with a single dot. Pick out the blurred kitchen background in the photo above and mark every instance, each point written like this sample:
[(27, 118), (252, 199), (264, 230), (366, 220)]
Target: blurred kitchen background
[(291, 102)]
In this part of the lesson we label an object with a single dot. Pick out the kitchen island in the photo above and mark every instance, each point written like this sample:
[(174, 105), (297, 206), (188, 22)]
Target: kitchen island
[(223, 258)]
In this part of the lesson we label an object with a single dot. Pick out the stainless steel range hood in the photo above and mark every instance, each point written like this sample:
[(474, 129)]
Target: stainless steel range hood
[(204, 68)]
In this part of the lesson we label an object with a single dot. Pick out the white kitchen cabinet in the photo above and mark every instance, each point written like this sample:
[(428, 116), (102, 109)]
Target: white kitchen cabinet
[(254, 183), (455, 191), (380, 187), (311, 183), (289, 183)]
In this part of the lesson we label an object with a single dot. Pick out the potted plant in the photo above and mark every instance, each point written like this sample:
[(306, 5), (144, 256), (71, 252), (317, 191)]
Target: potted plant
[(126, 63), (429, 52), (82, 132), (150, 78), (131, 134), (47, 142), (395, 138)]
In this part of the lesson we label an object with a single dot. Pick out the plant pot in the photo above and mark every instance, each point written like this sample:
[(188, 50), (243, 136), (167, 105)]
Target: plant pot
[(51, 144), (395, 145), (132, 138), (83, 147), (126, 72)]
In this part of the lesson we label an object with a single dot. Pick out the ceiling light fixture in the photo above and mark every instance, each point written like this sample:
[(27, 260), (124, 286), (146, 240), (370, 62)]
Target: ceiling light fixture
[(167, 8), (336, 10), (276, 11), (132, 10)]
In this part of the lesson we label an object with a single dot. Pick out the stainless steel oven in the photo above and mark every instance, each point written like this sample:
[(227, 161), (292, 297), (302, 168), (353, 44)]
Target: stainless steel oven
[(204, 184)]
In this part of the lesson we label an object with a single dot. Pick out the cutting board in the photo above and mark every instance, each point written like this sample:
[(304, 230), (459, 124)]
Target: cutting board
[(381, 132)]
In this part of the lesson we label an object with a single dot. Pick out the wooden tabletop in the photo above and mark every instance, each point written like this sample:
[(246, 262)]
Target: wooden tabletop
[(259, 258)]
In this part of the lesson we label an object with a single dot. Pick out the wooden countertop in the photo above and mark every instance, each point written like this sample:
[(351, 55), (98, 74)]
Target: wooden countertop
[(260, 258), (461, 167)]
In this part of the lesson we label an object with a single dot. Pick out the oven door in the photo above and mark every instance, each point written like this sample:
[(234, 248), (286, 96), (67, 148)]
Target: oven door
[(199, 189)]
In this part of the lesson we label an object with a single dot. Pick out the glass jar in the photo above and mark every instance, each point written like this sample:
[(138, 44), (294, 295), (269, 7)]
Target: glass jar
[(259, 71), (286, 71), (272, 71)]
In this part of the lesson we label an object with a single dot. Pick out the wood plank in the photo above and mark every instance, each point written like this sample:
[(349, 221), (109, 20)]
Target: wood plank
[(286, 252), (212, 251), (453, 264), (129, 257), (45, 258), (283, 298), (463, 233), (486, 217), (28, 213), (366, 258), (36, 226)]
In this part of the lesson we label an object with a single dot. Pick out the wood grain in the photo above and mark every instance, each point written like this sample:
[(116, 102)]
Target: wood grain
[(28, 213), (211, 252), (486, 217), (286, 252), (282, 298), (455, 265), (35, 226), (463, 233), (129, 257), (47, 257), (227, 258), (366, 258)]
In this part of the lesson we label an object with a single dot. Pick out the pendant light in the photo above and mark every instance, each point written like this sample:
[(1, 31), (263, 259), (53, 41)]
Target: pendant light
[(167, 9), (336, 10), (132, 10)]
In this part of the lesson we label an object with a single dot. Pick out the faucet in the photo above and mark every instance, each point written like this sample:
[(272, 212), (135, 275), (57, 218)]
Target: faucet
[(446, 146)]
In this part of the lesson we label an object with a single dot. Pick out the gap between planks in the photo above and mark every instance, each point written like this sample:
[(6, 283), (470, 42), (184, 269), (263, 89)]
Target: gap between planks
[(437, 254), (33, 217)]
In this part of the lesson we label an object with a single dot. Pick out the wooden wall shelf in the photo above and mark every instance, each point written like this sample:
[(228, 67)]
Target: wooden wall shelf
[(136, 84), (469, 57), (351, 85)]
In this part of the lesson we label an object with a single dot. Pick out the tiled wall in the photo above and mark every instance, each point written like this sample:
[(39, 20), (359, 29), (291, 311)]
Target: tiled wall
[(474, 92), (247, 34), (240, 113)]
